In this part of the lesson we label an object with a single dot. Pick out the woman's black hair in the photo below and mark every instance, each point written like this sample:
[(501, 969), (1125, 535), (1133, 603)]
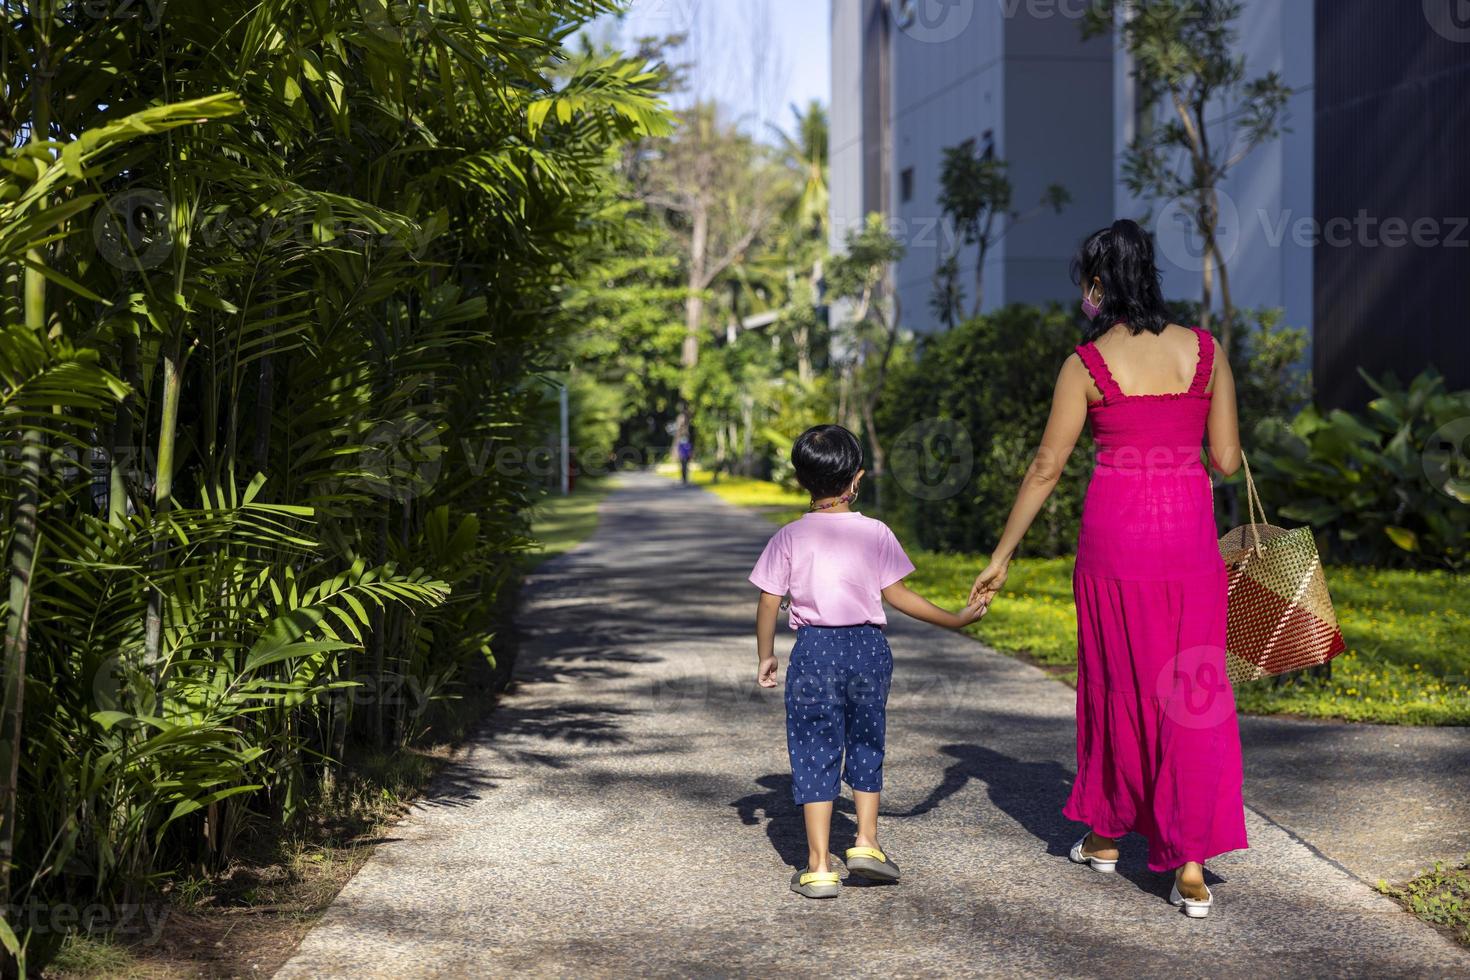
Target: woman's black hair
[(826, 459), (1122, 258)]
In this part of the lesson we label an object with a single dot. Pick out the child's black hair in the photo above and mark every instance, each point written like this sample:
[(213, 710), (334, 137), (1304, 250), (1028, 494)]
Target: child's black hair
[(826, 459)]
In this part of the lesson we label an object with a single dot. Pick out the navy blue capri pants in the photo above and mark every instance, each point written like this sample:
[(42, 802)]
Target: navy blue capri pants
[(836, 698)]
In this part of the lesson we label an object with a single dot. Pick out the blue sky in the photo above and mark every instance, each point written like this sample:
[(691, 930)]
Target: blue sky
[(755, 57)]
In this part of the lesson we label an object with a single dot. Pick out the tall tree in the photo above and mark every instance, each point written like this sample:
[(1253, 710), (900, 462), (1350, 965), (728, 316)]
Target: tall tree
[(709, 178), (806, 226), (316, 284), (804, 152), (975, 193), (1185, 60), (862, 275)]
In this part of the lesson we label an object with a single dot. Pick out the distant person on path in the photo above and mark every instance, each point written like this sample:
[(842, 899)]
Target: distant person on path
[(685, 453), (1158, 746), (838, 567)]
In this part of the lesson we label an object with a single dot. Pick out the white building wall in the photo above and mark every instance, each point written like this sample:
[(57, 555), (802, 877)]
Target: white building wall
[(1266, 196), (1058, 130), (845, 146), (947, 87), (1022, 71)]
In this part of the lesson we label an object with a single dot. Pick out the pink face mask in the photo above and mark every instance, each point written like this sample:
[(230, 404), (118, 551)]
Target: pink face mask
[(1089, 308)]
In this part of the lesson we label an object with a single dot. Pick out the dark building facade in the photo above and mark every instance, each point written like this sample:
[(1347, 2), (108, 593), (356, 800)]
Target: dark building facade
[(1391, 263)]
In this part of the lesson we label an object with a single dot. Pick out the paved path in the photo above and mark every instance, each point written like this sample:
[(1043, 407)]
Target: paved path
[(627, 811)]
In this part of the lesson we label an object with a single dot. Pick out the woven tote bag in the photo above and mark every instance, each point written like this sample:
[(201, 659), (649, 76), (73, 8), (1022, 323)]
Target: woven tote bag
[(1280, 616)]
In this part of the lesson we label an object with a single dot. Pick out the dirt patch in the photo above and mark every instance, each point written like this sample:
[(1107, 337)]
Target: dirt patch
[(249, 919)]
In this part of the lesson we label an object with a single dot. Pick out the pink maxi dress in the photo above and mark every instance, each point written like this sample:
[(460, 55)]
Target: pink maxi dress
[(1158, 746)]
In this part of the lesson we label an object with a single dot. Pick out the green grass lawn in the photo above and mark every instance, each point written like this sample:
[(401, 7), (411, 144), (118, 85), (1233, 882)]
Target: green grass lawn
[(1408, 633), (559, 523)]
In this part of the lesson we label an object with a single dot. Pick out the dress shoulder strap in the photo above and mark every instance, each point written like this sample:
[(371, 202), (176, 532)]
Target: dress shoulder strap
[(1206, 364), (1092, 359)]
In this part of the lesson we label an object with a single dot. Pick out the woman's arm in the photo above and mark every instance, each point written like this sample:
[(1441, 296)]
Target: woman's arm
[(766, 609), (1068, 415), (1223, 427), (910, 603)]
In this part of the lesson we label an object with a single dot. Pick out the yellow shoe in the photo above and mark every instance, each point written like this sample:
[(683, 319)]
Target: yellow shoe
[(816, 884), (870, 863)]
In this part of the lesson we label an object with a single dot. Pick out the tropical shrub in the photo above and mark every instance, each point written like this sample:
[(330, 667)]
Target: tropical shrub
[(1387, 486), (1269, 362), (281, 279), (962, 420), (791, 407)]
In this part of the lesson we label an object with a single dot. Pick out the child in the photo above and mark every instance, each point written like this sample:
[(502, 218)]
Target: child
[(838, 566)]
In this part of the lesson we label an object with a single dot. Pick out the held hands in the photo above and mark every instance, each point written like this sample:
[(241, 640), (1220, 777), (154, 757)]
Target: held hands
[(973, 612), (989, 582), (765, 674)]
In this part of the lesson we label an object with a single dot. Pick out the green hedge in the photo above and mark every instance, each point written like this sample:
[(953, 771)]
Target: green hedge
[(977, 398), (961, 418)]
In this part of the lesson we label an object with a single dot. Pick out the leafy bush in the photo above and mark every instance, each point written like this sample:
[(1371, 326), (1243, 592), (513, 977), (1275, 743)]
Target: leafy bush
[(1269, 363), (251, 516), (1389, 486), (792, 406), (980, 392)]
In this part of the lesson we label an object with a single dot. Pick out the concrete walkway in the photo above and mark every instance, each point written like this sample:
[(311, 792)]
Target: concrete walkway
[(627, 811)]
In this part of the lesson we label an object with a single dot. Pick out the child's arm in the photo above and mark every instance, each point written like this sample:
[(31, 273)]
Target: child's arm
[(1063, 427), (766, 610), (912, 604)]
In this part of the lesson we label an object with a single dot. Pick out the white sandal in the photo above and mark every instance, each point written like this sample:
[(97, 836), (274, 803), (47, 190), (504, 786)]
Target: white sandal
[(1193, 907), (1103, 865)]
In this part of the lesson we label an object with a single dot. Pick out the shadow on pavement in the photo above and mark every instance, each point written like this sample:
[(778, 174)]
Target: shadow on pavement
[(457, 784), (574, 722), (1032, 794), (784, 824)]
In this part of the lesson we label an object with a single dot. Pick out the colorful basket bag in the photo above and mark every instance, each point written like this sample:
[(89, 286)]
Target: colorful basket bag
[(1280, 615)]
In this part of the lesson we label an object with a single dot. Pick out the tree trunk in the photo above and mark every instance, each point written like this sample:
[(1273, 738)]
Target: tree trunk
[(378, 641), (163, 487), (265, 394), (804, 333), (880, 459), (25, 534), (124, 454), (694, 302), (803, 338), (747, 423), (24, 545), (1227, 307), (982, 249), (1206, 219)]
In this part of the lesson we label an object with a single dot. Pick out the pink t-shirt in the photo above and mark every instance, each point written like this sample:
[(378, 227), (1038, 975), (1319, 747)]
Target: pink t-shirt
[(835, 566)]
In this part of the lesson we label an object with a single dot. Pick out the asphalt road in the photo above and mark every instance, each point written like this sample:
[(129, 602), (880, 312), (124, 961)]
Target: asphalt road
[(627, 811)]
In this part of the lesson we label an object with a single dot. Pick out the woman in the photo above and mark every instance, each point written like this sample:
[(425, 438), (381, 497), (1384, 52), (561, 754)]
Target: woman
[(1158, 749)]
